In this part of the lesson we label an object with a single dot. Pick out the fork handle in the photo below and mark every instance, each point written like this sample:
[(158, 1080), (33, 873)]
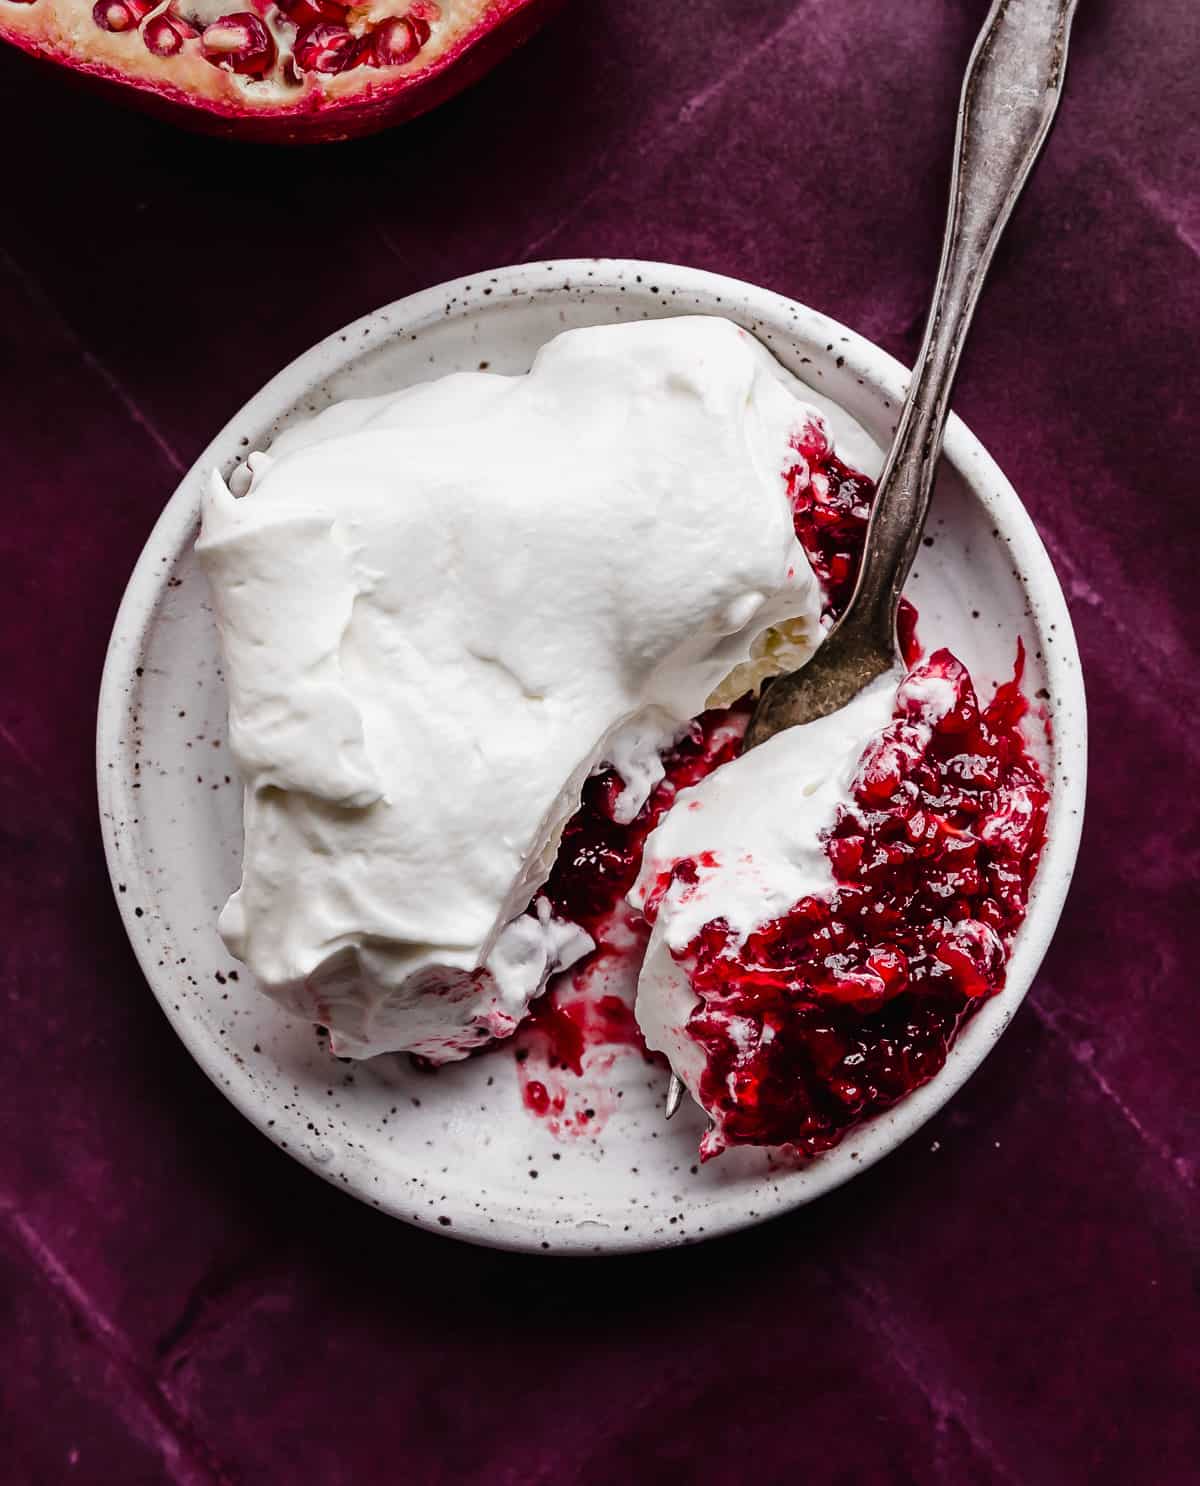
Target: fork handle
[(1009, 96)]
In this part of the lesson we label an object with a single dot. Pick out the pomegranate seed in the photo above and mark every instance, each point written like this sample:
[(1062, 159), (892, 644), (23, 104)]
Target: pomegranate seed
[(119, 15), (396, 41), (305, 13), (891, 966), (848, 1093), (846, 854), (974, 956), (325, 48), (239, 43), (1012, 828), (906, 633), (166, 33)]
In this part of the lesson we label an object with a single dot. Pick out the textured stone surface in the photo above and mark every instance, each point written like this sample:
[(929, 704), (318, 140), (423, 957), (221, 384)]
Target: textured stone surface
[(1006, 1299)]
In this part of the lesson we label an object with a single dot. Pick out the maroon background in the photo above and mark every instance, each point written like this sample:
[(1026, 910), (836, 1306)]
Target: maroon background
[(1007, 1298)]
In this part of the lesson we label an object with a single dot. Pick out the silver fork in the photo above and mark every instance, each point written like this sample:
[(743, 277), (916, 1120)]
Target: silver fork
[(1009, 98)]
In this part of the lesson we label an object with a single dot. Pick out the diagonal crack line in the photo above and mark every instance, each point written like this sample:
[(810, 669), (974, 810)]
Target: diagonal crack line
[(532, 248), (1163, 209), (137, 1399), (743, 63), (1157, 645), (14, 743), (143, 422), (35, 291), (912, 1358), (221, 1291), (660, 138), (385, 238), (1082, 1055)]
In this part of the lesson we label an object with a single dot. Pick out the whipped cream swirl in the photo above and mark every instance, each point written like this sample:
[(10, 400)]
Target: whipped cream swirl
[(439, 611)]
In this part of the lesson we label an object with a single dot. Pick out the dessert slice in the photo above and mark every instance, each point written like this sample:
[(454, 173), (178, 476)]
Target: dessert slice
[(827, 908), (441, 610)]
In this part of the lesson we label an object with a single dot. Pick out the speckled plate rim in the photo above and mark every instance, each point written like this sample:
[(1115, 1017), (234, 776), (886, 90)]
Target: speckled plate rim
[(759, 310)]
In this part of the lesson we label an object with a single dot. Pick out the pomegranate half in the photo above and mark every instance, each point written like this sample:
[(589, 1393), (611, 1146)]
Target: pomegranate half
[(286, 70)]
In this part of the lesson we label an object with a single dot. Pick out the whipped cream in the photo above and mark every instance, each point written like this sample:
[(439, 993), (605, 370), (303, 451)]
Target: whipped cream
[(752, 831), (440, 610)]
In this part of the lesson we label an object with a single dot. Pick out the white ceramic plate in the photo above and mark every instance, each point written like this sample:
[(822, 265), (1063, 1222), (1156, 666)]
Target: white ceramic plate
[(457, 1151)]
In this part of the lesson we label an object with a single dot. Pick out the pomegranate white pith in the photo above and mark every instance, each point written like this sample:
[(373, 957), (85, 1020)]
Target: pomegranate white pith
[(275, 68)]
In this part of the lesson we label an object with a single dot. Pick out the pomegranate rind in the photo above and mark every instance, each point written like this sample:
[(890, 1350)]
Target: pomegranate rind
[(327, 107)]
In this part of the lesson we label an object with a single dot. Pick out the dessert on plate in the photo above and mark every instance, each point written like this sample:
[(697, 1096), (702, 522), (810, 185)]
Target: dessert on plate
[(491, 644)]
